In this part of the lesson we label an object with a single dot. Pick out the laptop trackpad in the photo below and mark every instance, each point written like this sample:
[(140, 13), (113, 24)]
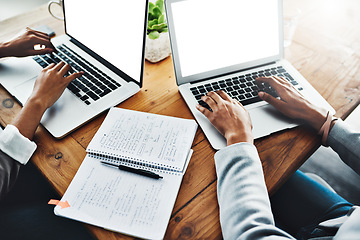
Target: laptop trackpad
[(266, 120), (22, 92), (15, 71)]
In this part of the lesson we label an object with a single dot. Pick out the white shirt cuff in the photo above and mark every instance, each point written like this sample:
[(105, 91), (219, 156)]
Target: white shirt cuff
[(16, 145)]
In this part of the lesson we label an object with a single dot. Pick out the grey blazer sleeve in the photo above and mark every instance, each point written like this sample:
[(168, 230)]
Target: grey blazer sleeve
[(346, 143), (9, 170), (244, 204)]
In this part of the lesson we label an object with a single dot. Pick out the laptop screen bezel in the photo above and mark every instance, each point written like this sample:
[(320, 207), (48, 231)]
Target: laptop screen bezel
[(107, 64), (221, 71)]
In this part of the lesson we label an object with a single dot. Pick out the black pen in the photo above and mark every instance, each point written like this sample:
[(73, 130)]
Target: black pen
[(134, 170)]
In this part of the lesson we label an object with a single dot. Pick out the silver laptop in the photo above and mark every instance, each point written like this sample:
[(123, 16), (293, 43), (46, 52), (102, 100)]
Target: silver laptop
[(226, 45), (106, 40)]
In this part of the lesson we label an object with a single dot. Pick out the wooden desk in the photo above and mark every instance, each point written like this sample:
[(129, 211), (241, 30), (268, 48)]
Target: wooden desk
[(325, 49)]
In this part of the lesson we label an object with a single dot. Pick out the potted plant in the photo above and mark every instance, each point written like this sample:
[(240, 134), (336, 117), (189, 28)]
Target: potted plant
[(157, 40)]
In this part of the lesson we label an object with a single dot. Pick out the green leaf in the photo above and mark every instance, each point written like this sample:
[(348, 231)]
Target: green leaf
[(154, 35), (160, 5), (158, 26), (164, 30), (152, 23), (151, 6), (157, 12), (153, 16), (161, 19)]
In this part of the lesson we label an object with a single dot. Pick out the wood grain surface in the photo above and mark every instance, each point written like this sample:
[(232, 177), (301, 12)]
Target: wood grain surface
[(325, 50)]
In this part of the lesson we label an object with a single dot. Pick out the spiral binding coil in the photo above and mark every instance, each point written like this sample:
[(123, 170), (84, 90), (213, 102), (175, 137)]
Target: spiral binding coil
[(133, 162)]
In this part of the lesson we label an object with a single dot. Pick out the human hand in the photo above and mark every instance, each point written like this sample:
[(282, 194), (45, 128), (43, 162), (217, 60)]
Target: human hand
[(292, 103), (51, 83), (228, 116), (49, 86), (24, 45)]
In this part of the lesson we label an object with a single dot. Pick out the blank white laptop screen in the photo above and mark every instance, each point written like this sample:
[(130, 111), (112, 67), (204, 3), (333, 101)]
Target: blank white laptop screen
[(94, 24), (240, 31)]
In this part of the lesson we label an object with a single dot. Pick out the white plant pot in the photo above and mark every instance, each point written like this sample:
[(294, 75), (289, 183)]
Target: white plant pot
[(157, 49)]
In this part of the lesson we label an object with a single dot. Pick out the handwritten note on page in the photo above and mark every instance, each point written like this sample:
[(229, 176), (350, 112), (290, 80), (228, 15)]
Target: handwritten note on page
[(121, 201), (152, 138)]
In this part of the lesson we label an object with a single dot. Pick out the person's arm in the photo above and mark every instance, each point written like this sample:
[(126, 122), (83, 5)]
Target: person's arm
[(15, 141), (346, 143), (341, 138), (9, 170), (245, 211), (48, 87), (15, 149), (24, 45), (244, 204)]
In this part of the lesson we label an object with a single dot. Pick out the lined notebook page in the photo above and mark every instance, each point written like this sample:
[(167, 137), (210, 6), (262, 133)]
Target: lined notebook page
[(145, 137), (121, 201)]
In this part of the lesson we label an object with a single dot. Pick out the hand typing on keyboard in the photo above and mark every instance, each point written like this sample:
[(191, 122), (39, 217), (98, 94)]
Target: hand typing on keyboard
[(24, 45), (53, 77), (91, 86), (228, 116), (49, 86), (243, 87), (292, 103), (233, 121)]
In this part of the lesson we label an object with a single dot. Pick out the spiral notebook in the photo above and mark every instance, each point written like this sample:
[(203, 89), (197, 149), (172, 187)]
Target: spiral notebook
[(126, 202)]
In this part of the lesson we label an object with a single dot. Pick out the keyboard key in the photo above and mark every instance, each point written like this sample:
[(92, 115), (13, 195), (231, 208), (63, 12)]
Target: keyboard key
[(202, 90), (229, 89), (205, 105), (250, 101), (234, 93), (198, 97), (105, 92), (195, 92), (248, 95), (209, 89), (93, 96), (85, 97), (103, 87)]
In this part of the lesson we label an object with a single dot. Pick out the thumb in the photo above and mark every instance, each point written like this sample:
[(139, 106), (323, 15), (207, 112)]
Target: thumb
[(279, 104)]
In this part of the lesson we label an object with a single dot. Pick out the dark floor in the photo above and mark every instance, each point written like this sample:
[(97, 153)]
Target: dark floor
[(328, 165)]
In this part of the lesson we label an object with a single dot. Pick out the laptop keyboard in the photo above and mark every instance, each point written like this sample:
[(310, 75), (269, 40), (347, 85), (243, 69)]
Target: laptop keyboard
[(244, 88), (91, 86)]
